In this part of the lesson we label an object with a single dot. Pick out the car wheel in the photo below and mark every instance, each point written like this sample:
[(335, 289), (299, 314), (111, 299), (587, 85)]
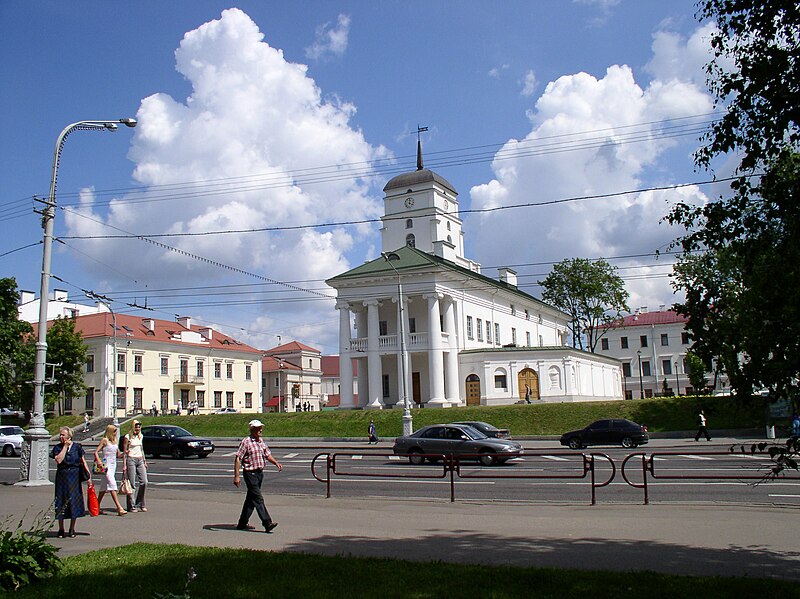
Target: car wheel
[(627, 443), (8, 451), (575, 443), (177, 453), (487, 457), (415, 458)]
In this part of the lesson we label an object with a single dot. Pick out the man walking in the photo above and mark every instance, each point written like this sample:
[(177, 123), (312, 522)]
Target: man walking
[(701, 427), (252, 458), (372, 431)]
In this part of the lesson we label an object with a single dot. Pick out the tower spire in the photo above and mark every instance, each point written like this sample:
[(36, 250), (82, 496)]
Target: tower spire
[(420, 165)]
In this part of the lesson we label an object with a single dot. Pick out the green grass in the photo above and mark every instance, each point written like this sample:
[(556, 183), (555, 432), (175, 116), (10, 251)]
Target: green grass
[(663, 414), (141, 570)]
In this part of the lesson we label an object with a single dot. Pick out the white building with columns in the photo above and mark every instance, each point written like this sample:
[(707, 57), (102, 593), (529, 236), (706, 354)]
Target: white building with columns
[(466, 338)]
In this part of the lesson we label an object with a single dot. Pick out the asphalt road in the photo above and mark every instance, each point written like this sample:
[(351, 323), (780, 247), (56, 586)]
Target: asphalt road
[(684, 472)]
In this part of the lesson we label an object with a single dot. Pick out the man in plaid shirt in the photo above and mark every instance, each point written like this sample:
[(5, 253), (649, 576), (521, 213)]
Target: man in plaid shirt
[(252, 458)]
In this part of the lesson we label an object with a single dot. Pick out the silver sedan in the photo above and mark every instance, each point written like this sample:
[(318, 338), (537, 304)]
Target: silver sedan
[(436, 440)]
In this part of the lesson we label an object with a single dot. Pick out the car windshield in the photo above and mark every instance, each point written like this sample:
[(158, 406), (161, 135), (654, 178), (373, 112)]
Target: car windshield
[(474, 433), (177, 431), (12, 430)]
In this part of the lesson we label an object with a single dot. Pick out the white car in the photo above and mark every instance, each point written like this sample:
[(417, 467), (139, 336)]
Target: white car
[(11, 440), (225, 411), (9, 412)]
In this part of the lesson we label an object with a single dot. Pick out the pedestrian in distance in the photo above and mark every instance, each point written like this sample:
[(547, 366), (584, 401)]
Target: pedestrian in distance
[(86, 422), (252, 457), (110, 452), (701, 426), (69, 457), (527, 394), (135, 468), (372, 431)]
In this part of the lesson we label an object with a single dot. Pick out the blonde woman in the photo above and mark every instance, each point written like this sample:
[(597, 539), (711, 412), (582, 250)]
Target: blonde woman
[(69, 491), (135, 467), (108, 449)]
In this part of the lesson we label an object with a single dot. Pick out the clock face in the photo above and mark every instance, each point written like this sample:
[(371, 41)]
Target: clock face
[(409, 202), (446, 204)]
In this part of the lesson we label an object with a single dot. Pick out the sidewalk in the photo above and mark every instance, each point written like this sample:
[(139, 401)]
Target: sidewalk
[(753, 541)]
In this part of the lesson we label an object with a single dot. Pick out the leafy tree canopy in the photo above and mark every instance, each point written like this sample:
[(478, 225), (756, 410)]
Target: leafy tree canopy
[(592, 294), (65, 349), (17, 350)]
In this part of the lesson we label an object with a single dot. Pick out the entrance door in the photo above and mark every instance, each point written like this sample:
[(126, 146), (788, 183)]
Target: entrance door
[(473, 389), (416, 394), (528, 379)]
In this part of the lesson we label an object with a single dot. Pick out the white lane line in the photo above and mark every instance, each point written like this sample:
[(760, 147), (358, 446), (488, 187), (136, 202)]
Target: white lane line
[(695, 457), (553, 457), (288, 456), (229, 455), (173, 474), (407, 481), (179, 484), (357, 457), (791, 496)]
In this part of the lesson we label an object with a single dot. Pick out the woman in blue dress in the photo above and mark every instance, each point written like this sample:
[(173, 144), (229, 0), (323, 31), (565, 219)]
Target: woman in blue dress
[(69, 492)]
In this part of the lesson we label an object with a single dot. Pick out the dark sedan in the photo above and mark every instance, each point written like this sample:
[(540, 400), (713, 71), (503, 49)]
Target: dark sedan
[(455, 439), (487, 429), (614, 431), (175, 441)]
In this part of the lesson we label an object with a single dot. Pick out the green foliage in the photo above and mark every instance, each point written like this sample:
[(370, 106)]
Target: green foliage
[(140, 570), (697, 371), (784, 456), (17, 351), (65, 347), (25, 555), (592, 294)]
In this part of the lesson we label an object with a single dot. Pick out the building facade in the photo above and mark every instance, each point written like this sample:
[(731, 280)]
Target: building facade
[(425, 325), (292, 379)]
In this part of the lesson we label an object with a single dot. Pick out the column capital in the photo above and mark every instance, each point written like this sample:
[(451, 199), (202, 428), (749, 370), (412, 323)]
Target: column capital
[(342, 305), (433, 295), (371, 302)]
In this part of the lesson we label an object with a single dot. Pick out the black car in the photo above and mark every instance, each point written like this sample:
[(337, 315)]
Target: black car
[(487, 429), (455, 439), (175, 441), (607, 432)]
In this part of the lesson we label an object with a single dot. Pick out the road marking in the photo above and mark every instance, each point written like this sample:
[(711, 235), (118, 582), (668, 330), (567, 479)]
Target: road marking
[(149, 474), (791, 496), (229, 455), (179, 484), (553, 457), (695, 457), (406, 481), (357, 457), (290, 455)]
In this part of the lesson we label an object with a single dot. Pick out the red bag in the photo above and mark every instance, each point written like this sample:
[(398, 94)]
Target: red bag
[(91, 500)]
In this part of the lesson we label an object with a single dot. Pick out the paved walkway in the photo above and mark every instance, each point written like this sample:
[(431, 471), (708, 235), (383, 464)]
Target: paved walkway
[(755, 541)]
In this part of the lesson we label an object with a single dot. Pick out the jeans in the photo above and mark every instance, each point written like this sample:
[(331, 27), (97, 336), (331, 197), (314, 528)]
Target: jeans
[(136, 470), (254, 499)]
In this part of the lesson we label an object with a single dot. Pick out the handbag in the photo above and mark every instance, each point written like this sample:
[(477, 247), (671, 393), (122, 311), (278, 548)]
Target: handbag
[(99, 468), (126, 488), (84, 475), (91, 500)]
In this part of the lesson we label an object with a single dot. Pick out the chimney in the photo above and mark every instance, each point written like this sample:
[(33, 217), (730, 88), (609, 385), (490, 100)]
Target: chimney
[(662, 308), (26, 297), (60, 295), (184, 321), (508, 276), (149, 324), (207, 332)]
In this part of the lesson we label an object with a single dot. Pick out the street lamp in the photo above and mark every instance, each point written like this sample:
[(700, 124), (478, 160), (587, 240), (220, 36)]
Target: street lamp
[(677, 384), (35, 464), (408, 425), (641, 381)]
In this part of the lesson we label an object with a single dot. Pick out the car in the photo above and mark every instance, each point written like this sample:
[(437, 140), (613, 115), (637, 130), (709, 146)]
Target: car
[(487, 429), (11, 440), (458, 440), (158, 440), (225, 411), (611, 431), (6, 412)]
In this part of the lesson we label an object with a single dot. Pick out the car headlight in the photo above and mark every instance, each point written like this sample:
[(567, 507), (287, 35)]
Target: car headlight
[(193, 444)]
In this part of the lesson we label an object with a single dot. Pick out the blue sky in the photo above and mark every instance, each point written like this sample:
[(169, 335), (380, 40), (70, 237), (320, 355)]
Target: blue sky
[(260, 95)]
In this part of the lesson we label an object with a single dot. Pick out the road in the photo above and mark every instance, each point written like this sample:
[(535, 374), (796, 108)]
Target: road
[(547, 473)]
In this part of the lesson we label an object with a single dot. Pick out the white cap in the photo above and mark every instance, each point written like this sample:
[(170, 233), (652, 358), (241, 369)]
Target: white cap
[(256, 424)]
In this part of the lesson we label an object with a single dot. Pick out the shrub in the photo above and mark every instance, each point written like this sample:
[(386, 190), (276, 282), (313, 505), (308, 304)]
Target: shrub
[(25, 555)]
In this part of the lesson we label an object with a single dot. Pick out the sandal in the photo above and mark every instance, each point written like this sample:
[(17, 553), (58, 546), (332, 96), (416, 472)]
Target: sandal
[(142, 509), (121, 513), (60, 534)]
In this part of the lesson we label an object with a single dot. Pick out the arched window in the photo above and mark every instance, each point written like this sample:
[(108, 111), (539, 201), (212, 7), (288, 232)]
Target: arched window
[(448, 225), (449, 240), (410, 224), (410, 242)]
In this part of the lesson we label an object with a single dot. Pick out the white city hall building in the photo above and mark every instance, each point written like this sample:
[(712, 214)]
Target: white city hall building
[(468, 339)]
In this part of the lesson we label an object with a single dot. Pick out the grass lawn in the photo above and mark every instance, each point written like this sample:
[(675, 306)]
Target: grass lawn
[(142, 571), (663, 414)]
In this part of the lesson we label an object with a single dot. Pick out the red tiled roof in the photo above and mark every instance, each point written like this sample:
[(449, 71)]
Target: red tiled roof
[(270, 364), (292, 346), (653, 318)]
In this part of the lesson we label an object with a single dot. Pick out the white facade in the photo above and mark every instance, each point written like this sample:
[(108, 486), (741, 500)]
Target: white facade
[(460, 326), (58, 306)]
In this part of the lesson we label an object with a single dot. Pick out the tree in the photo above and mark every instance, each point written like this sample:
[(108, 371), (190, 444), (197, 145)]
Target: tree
[(697, 372), (65, 349), (739, 253), (591, 293), (17, 350)]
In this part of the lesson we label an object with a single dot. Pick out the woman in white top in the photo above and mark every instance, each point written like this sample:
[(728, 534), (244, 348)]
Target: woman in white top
[(110, 452), (135, 467)]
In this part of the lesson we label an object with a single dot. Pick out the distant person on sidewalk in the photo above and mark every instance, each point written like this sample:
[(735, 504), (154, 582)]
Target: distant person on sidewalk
[(135, 467), (69, 491), (252, 458), (373, 432), (701, 426), (86, 422), (154, 409)]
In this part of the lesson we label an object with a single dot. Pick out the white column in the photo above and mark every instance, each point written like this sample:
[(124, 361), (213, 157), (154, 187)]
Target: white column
[(435, 353), (451, 358), (346, 400), (375, 391)]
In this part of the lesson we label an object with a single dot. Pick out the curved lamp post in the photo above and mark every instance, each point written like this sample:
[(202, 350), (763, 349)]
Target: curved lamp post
[(408, 425), (34, 468), (641, 378)]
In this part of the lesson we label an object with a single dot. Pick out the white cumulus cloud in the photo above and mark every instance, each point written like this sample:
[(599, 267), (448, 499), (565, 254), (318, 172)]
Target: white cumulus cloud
[(330, 40)]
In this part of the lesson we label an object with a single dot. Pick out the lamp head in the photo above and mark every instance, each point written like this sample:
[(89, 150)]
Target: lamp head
[(129, 122)]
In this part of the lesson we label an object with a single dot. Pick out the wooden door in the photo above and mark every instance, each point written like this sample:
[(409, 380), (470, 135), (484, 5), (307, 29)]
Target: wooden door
[(528, 379), (473, 390), (416, 394)]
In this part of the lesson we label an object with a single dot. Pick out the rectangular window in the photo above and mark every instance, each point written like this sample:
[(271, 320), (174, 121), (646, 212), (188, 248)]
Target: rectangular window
[(488, 332), (470, 334), (120, 362), (604, 344), (541, 341), (626, 369), (513, 310), (90, 363), (164, 396), (229, 399), (385, 385), (200, 369), (412, 325), (623, 343), (217, 399), (645, 368), (500, 381), (528, 338), (201, 399), (527, 315), (643, 340), (229, 370), (666, 366), (90, 399), (121, 399), (480, 329), (664, 339), (164, 366), (248, 400), (685, 338), (513, 336), (628, 394), (137, 363), (383, 328), (248, 372), (217, 371), (137, 398), (497, 333)]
